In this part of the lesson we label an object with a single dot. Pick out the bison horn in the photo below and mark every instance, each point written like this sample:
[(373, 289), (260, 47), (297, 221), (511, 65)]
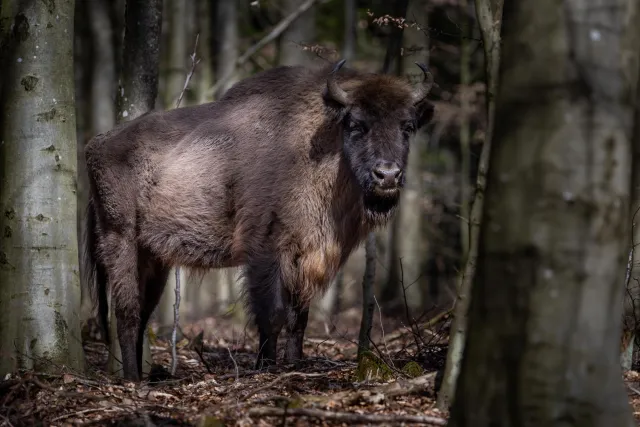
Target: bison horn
[(421, 91), (335, 91)]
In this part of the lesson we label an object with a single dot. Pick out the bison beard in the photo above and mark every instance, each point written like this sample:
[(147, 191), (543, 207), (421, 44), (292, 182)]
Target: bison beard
[(285, 175)]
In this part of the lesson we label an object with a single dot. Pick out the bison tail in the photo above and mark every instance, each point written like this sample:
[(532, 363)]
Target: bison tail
[(95, 277)]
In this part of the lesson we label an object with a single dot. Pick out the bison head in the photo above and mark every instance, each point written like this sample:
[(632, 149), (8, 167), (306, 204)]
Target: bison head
[(379, 114)]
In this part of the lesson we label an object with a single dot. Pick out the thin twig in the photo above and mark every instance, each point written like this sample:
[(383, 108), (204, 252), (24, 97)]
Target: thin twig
[(194, 62), (633, 389), (235, 364), (85, 411), (176, 306), (277, 30), (384, 340), (176, 320)]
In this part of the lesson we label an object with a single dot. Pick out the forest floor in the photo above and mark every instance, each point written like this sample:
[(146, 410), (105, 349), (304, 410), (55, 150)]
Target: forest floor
[(215, 382)]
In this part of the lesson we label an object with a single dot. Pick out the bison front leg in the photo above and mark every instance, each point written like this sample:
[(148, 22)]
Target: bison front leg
[(297, 317), (268, 300)]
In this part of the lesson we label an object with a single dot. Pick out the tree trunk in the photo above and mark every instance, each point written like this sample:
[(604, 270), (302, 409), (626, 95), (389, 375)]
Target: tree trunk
[(301, 31), (632, 277), (101, 106), (409, 244), (465, 110), (350, 22), (103, 73), (368, 303), (489, 14), (393, 55), (227, 54), (140, 54), (136, 95), (40, 292), (546, 310), (82, 70), (177, 55), (204, 76)]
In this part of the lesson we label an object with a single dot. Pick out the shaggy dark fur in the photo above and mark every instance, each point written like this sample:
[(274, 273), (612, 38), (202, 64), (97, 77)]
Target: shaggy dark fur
[(285, 175)]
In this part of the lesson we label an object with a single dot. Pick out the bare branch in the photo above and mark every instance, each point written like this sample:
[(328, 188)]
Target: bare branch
[(176, 306), (176, 320), (277, 30)]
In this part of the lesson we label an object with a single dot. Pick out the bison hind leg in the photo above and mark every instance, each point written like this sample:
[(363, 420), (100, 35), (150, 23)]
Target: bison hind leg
[(121, 267), (268, 300), (153, 276)]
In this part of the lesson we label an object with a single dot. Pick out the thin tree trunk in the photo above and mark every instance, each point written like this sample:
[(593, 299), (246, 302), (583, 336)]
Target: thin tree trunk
[(331, 303), (408, 243), (349, 47), (177, 55), (392, 56), (136, 95), (83, 60), (368, 303), (103, 77), (632, 277), (227, 55), (546, 310), (489, 15), (465, 107), (40, 292), (204, 77), (302, 30)]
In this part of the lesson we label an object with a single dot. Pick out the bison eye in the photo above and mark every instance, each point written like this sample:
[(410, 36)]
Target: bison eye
[(408, 127), (356, 126)]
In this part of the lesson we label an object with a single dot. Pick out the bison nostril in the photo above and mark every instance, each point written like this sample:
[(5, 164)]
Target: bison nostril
[(386, 174), (377, 173)]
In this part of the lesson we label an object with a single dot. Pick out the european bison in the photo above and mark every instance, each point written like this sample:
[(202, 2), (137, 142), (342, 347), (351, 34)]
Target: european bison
[(286, 174)]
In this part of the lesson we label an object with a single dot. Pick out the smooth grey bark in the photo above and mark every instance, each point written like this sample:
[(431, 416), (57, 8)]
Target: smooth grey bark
[(40, 291), (302, 30), (227, 42), (137, 92), (546, 307)]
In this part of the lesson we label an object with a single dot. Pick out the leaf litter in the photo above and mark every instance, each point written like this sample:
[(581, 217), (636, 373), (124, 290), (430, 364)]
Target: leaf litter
[(216, 384)]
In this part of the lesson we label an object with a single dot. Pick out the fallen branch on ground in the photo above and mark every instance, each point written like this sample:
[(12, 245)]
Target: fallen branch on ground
[(400, 387), (349, 417), (281, 378)]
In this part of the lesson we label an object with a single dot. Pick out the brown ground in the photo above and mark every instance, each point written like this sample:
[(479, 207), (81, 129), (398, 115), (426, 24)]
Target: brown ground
[(215, 383)]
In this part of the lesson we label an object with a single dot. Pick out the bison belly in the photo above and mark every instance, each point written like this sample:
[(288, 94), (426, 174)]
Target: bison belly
[(185, 220)]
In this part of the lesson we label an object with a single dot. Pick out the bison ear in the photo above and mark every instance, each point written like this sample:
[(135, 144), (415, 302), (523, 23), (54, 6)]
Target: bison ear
[(424, 112)]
